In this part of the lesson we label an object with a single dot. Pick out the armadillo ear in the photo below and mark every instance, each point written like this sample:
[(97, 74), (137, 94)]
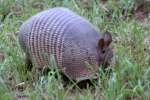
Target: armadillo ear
[(101, 43), (107, 38)]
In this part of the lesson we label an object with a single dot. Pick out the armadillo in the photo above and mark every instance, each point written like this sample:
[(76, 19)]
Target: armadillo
[(72, 40)]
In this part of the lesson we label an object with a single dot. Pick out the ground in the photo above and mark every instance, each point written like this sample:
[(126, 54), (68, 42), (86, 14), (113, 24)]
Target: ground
[(129, 78)]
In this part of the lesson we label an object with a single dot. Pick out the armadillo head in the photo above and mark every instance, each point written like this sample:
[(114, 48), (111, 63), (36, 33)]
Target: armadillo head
[(105, 51)]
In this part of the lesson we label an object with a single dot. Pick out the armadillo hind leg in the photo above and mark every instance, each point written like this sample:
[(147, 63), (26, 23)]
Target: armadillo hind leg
[(28, 62)]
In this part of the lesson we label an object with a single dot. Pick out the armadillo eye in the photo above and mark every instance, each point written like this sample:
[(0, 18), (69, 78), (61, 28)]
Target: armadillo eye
[(103, 51)]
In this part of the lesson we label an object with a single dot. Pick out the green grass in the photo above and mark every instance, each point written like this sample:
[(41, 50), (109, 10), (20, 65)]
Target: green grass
[(130, 76)]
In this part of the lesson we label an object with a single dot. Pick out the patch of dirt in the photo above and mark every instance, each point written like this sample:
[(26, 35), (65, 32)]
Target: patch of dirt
[(142, 9), (38, 5), (85, 3)]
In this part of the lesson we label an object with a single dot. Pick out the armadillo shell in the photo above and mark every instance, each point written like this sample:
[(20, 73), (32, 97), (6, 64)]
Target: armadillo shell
[(62, 33)]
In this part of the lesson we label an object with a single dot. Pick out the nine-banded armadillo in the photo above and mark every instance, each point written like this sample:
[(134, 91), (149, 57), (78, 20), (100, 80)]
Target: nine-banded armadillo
[(72, 40)]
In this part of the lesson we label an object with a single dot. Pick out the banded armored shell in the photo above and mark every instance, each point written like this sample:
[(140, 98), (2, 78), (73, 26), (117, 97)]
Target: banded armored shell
[(72, 40)]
